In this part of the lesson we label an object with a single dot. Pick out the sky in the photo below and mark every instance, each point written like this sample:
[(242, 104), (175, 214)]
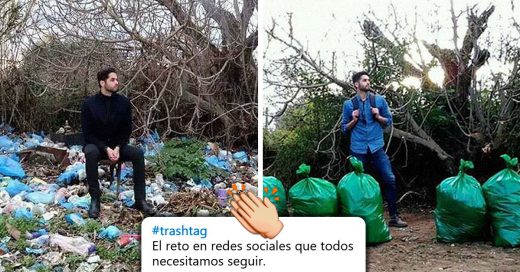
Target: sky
[(327, 26)]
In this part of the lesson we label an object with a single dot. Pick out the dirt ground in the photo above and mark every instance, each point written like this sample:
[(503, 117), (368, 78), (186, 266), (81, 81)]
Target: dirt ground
[(416, 249)]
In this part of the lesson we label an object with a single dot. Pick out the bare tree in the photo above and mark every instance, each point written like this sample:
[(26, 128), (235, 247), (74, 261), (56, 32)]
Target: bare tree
[(189, 67), (474, 110)]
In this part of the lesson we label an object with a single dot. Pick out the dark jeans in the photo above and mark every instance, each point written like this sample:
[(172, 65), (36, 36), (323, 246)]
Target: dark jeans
[(380, 162), (126, 153)]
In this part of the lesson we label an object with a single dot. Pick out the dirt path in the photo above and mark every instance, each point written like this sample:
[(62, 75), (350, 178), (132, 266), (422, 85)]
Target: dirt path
[(415, 249)]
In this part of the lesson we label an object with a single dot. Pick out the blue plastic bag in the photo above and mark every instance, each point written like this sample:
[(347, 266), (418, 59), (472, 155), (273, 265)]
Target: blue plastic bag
[(110, 233), (35, 251), (40, 197), (74, 219), (206, 184), (10, 167), (15, 187), (66, 205), (66, 178), (127, 172), (5, 143), (23, 213), (81, 202), (241, 156), (3, 248), (215, 162), (128, 198), (70, 174)]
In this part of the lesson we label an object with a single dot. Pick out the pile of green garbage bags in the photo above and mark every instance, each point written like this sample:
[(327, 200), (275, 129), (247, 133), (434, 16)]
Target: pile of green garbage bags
[(313, 196), (460, 214), (360, 195), (465, 209)]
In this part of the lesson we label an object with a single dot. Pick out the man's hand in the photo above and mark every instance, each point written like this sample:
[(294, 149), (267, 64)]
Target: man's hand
[(113, 154), (375, 112), (355, 115)]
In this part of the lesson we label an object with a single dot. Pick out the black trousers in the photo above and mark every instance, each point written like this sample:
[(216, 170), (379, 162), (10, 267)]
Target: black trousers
[(126, 153)]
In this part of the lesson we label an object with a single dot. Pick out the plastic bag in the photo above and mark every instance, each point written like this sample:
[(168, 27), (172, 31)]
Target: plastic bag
[(5, 143), (15, 187), (11, 168), (40, 197), (126, 239), (23, 213), (241, 156), (359, 195), (81, 202), (77, 245), (217, 163), (275, 192), (460, 215), (313, 196), (111, 233), (74, 219), (502, 193), (127, 197)]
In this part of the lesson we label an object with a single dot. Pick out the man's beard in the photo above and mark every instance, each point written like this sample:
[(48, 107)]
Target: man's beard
[(365, 89)]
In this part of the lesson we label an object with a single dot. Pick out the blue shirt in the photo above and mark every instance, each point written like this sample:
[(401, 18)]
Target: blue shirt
[(367, 134)]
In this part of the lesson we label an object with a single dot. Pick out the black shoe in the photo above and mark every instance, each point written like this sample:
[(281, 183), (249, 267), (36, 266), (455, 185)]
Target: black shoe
[(95, 207), (397, 222), (146, 208)]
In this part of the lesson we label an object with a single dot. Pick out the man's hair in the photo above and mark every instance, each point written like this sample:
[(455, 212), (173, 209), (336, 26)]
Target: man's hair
[(103, 74), (357, 76)]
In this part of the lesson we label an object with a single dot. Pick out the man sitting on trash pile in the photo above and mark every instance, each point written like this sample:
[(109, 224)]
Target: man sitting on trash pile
[(106, 121)]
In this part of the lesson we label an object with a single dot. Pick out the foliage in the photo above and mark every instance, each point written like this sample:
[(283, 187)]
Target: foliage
[(119, 254), (183, 158), (300, 129), (74, 260)]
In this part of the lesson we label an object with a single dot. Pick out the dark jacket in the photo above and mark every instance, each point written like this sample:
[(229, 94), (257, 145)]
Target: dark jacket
[(106, 120)]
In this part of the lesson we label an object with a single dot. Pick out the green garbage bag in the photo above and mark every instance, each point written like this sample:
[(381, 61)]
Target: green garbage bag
[(274, 191), (502, 192), (359, 195), (313, 196), (460, 215)]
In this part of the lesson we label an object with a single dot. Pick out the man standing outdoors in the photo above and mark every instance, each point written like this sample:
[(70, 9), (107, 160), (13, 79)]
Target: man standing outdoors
[(106, 122), (365, 116)]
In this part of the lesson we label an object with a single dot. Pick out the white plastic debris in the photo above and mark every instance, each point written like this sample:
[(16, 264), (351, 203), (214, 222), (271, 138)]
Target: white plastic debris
[(87, 267), (159, 179), (4, 198), (94, 259), (77, 245), (49, 215), (157, 200), (203, 213)]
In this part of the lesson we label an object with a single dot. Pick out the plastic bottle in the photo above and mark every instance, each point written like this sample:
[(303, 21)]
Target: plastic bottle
[(222, 197), (77, 245)]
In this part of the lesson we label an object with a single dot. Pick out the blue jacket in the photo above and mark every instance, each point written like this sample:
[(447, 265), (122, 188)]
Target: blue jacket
[(367, 134), (106, 120)]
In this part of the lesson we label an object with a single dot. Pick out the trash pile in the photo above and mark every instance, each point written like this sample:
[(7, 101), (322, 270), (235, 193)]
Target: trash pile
[(44, 201)]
